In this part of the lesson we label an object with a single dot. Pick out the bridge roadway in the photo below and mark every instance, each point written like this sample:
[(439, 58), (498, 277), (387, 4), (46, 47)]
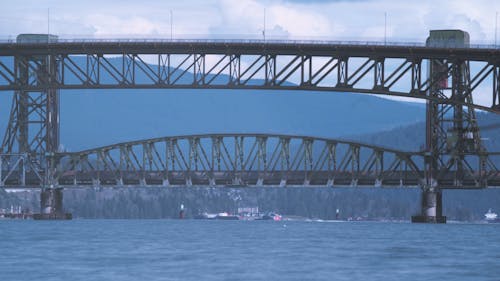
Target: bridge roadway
[(395, 70)]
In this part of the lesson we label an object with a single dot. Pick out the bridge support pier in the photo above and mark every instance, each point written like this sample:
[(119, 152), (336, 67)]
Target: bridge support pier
[(51, 205), (432, 208)]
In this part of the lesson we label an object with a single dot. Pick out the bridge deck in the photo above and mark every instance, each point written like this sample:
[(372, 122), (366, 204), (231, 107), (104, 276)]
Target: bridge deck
[(246, 160), (316, 66), (248, 48)]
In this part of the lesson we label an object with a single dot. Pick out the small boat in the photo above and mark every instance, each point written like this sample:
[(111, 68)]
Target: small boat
[(226, 216), (205, 216), (491, 217), (271, 217), (218, 216)]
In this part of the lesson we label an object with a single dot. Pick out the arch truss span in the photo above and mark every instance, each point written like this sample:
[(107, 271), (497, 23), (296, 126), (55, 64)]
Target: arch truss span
[(251, 160), (388, 70)]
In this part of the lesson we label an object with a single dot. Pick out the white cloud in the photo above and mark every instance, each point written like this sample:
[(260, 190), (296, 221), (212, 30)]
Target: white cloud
[(363, 20), (281, 19), (299, 22), (110, 25)]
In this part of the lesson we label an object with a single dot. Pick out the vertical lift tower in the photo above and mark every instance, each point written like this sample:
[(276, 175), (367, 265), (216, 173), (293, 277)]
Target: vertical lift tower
[(33, 129), (451, 130)]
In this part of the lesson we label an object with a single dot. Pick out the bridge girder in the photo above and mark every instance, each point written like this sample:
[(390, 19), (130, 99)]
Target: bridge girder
[(386, 70), (249, 160)]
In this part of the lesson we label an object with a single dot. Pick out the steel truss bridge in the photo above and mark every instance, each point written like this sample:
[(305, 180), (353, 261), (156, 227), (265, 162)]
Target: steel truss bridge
[(248, 160), (448, 78)]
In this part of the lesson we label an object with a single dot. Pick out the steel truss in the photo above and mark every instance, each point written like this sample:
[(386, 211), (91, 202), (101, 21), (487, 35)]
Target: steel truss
[(454, 157), (248, 160), (452, 129), (33, 131), (388, 70)]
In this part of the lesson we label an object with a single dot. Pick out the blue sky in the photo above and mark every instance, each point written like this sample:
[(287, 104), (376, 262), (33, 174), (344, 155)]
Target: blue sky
[(295, 19)]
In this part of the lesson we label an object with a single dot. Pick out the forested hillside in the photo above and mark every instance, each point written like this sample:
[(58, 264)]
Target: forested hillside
[(320, 203)]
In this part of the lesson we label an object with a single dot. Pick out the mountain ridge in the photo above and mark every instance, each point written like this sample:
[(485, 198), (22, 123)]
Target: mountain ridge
[(92, 118)]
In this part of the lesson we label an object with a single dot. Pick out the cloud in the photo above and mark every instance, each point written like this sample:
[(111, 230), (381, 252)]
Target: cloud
[(113, 25), (462, 21), (299, 22), (281, 19), (322, 1), (313, 19), (278, 32)]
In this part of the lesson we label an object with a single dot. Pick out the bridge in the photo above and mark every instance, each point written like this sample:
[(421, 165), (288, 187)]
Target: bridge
[(245, 160), (448, 73)]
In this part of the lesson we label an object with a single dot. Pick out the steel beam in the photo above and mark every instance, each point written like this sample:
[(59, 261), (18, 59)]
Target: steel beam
[(39, 71), (214, 65)]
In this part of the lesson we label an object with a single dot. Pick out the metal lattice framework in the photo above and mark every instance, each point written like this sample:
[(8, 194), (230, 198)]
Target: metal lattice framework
[(34, 118), (449, 78), (452, 129), (248, 160), (388, 70)]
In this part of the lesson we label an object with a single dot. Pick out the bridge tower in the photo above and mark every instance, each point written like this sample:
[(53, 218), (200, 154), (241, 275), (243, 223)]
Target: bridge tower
[(33, 128), (452, 132)]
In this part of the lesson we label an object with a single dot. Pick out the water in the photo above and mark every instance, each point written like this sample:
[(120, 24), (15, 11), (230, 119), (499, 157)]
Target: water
[(246, 250)]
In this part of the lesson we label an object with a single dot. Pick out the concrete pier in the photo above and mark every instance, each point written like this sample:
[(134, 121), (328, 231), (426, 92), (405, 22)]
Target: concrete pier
[(51, 205), (432, 208)]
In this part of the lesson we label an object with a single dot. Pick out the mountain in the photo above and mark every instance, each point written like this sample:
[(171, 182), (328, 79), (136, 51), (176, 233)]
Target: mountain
[(412, 137), (91, 118)]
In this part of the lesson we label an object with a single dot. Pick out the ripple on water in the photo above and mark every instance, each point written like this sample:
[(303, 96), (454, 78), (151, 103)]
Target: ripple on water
[(222, 250)]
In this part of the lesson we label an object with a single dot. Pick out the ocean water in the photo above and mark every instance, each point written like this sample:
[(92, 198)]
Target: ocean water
[(246, 250)]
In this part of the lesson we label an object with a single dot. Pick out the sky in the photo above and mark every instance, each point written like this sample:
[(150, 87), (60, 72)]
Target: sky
[(366, 20)]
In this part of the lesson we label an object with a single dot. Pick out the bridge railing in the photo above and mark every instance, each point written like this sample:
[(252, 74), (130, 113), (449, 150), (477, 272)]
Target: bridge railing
[(252, 41)]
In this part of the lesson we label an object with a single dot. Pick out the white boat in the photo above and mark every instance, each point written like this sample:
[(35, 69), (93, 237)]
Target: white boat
[(226, 216), (491, 217), (205, 216)]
